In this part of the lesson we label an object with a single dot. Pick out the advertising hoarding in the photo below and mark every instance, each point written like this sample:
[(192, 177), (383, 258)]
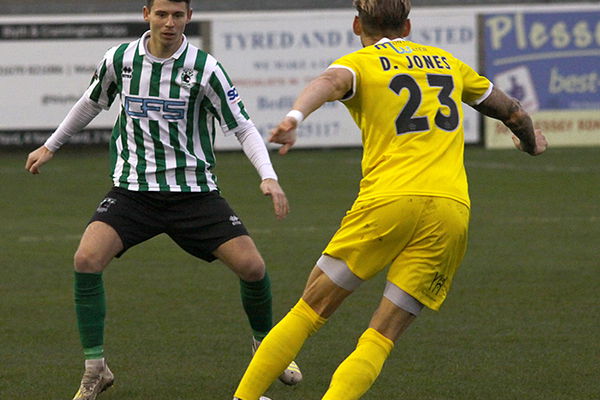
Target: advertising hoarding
[(550, 62), (271, 57)]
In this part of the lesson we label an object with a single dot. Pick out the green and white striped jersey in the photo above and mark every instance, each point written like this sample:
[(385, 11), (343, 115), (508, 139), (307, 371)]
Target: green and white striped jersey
[(163, 139)]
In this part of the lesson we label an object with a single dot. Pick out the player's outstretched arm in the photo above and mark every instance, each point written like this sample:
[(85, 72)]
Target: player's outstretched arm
[(331, 85), (37, 158), (500, 106)]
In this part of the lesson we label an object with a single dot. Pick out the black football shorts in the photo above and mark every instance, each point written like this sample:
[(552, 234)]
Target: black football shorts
[(197, 222)]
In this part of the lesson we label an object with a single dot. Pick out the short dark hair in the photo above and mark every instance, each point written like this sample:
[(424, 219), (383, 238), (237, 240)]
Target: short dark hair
[(382, 16), (150, 3)]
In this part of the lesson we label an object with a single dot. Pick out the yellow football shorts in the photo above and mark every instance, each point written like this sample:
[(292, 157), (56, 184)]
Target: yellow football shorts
[(422, 238)]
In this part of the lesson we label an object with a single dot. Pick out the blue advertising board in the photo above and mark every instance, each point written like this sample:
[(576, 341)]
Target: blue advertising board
[(550, 61)]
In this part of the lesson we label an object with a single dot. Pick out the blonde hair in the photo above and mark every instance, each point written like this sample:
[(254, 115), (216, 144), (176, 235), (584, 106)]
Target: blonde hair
[(382, 16)]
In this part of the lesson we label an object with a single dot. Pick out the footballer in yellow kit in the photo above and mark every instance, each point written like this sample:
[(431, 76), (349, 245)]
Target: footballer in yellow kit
[(414, 180), (412, 210)]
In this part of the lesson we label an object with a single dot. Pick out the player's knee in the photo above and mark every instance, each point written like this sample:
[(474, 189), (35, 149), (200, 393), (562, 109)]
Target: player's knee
[(88, 262), (252, 270)]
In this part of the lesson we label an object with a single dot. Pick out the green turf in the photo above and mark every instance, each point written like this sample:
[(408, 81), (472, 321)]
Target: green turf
[(522, 320)]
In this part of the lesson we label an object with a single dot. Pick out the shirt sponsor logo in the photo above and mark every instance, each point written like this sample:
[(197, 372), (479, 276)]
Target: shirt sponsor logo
[(153, 108)]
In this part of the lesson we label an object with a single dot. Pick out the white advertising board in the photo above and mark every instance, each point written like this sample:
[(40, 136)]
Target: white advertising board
[(271, 57)]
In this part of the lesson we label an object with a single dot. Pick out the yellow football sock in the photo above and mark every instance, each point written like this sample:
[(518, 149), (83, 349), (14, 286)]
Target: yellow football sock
[(278, 350), (356, 374)]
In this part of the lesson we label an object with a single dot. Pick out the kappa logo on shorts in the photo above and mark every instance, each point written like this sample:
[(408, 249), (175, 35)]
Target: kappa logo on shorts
[(437, 283), (105, 204), (235, 220)]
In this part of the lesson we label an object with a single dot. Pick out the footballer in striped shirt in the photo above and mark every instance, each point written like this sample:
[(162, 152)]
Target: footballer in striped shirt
[(171, 96)]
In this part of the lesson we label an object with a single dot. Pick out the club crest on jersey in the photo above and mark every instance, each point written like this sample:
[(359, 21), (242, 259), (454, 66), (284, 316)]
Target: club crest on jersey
[(186, 77)]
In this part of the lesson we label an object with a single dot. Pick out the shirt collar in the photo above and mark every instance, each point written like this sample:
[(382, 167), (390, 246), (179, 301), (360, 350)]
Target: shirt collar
[(144, 52), (386, 40)]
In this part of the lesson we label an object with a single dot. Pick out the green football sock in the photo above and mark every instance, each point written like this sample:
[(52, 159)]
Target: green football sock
[(90, 307), (256, 299)]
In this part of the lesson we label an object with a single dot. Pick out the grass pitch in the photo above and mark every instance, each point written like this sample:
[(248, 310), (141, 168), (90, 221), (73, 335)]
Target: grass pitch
[(521, 321)]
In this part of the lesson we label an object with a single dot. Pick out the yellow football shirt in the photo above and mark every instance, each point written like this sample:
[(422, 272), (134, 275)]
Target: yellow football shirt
[(407, 101)]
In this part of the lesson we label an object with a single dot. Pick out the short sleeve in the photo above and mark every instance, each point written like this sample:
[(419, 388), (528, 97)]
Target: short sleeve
[(476, 88), (348, 63)]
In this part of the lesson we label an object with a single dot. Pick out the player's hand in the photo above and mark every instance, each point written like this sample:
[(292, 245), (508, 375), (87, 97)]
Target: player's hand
[(37, 158), (285, 134), (270, 187), (541, 144)]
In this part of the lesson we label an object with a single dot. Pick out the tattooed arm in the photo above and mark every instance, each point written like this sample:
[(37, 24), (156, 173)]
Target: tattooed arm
[(508, 110)]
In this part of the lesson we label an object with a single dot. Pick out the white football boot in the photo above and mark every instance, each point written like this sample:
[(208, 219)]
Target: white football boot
[(292, 374), (96, 379)]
